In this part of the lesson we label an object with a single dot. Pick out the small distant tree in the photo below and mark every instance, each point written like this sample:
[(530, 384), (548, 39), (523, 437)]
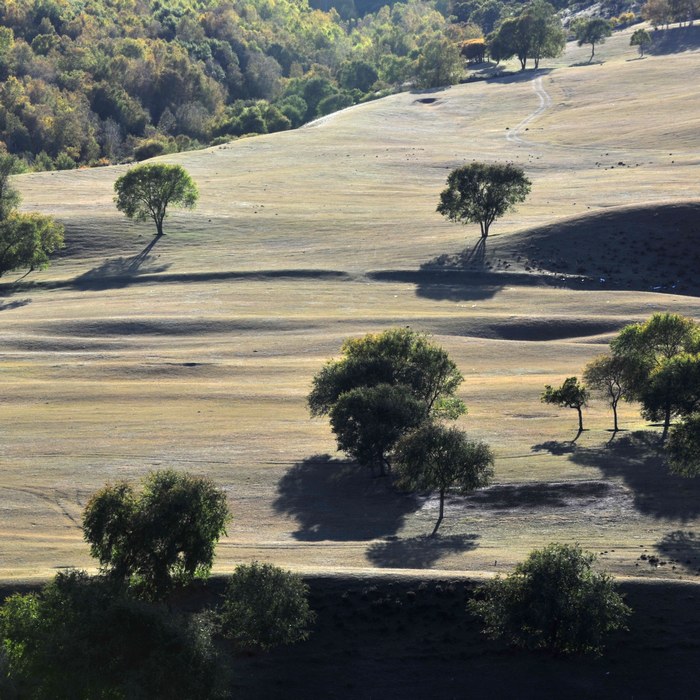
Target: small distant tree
[(157, 537), (570, 394), (553, 600), (614, 378), (474, 50), (146, 191), (641, 38), (683, 447), (593, 31), (480, 193), (265, 607), (436, 458), (439, 64)]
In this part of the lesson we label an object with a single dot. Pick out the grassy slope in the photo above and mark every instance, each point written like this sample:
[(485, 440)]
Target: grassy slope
[(198, 353)]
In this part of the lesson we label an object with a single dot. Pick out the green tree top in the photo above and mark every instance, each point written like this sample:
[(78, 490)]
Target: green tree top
[(479, 193), (145, 192)]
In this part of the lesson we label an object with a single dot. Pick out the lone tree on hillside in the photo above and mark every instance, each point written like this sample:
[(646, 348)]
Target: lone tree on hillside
[(483, 192), (436, 458), (26, 240), (157, 537), (593, 31), (146, 191), (642, 39), (570, 394), (553, 600)]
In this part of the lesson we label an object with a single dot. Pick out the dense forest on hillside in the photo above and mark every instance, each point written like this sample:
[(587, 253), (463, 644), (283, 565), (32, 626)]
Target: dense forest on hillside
[(101, 81)]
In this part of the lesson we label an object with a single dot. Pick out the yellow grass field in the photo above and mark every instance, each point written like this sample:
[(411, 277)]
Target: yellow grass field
[(197, 352)]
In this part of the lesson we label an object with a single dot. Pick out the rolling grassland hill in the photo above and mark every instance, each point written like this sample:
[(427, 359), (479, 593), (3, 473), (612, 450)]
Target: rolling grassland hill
[(197, 350)]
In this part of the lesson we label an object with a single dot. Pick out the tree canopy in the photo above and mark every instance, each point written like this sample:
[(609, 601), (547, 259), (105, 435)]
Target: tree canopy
[(571, 394), (480, 193), (384, 385), (146, 191), (592, 31), (161, 535), (437, 458)]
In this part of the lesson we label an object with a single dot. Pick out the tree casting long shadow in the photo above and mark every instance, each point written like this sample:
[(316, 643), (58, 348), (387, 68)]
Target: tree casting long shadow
[(332, 499), (419, 552), (637, 458)]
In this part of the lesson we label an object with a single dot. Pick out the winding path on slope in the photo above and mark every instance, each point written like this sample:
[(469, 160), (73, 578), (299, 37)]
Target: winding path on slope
[(514, 136)]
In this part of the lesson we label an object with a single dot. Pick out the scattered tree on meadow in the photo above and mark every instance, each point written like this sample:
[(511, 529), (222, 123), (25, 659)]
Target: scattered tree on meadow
[(570, 394), (553, 600), (536, 33), (84, 637), (474, 50), (145, 192), (265, 607), (159, 536), (483, 192), (384, 385), (26, 240), (683, 447), (642, 39), (439, 64), (593, 31), (436, 458), (652, 345), (613, 377)]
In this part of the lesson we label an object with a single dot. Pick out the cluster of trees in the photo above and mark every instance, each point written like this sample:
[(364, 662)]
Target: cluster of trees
[(26, 240), (112, 635), (660, 13), (387, 398), (103, 81), (655, 363)]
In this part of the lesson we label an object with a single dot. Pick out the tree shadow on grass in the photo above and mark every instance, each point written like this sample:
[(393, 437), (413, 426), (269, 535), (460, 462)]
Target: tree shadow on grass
[(674, 40), (682, 548), (120, 272), (555, 447), (16, 304), (419, 552), (332, 499), (638, 459), (540, 495)]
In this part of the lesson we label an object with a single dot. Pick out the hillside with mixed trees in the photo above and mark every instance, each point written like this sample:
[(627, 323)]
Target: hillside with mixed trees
[(111, 80)]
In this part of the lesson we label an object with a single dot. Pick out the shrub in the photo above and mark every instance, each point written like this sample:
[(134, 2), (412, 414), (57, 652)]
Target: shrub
[(265, 606), (84, 637), (553, 600)]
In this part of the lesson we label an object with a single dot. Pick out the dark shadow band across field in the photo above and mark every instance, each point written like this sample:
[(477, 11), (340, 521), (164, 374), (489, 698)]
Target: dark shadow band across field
[(420, 552)]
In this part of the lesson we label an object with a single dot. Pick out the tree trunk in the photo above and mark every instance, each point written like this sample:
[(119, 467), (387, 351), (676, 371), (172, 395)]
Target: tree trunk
[(614, 408), (442, 512), (592, 51), (580, 419), (667, 422), (159, 226)]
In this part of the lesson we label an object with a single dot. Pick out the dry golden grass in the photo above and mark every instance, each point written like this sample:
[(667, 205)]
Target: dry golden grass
[(198, 353)]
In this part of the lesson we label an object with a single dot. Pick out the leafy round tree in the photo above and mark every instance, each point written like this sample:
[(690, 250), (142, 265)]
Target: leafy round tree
[(265, 606), (641, 38), (480, 193), (368, 421), (145, 192), (395, 356), (159, 536), (570, 394), (593, 31), (553, 600), (436, 458)]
